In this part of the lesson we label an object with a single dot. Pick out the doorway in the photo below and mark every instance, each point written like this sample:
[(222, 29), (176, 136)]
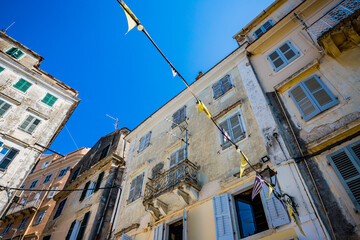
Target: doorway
[(176, 231)]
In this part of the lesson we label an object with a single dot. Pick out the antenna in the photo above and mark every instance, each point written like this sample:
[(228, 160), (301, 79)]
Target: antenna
[(5, 30), (116, 125), (182, 128)]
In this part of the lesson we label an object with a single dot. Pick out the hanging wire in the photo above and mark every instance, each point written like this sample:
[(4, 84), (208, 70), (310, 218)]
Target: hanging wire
[(52, 190)]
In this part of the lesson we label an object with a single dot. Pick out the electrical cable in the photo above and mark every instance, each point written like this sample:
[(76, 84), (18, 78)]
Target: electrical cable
[(52, 190)]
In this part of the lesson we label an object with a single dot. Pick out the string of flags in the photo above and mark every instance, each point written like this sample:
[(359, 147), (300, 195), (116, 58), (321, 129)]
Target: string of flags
[(259, 180)]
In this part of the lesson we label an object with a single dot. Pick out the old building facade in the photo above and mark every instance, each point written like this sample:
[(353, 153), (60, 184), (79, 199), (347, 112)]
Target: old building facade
[(306, 56), (34, 106), (87, 214), (27, 218), (182, 176)]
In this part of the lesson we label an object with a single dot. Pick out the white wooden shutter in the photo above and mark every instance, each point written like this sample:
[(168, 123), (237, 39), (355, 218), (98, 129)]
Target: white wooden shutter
[(142, 143), (159, 232), (225, 142), (223, 221), (175, 119), (275, 212), (173, 159), (181, 155)]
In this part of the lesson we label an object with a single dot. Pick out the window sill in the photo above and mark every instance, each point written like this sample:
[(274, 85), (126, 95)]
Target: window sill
[(260, 234), (133, 202), (26, 131), (231, 89), (237, 142)]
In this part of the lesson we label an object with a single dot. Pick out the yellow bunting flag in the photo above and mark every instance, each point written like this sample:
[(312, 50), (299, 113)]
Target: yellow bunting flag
[(296, 219), (130, 16), (270, 191), (202, 107), (243, 163)]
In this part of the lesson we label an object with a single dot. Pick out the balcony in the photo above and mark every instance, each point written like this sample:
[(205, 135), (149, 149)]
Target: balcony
[(27, 208), (338, 29), (172, 189)]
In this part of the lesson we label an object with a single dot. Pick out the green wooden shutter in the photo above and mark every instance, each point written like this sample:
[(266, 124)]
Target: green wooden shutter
[(4, 106), (223, 221), (1, 69), (83, 194), (17, 54), (83, 225), (22, 85), (11, 50), (8, 158), (49, 99), (98, 182), (26, 123), (346, 163), (132, 190)]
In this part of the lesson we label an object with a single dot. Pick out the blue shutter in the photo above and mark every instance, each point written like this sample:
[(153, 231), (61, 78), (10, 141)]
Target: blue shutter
[(159, 232), (223, 221), (346, 163), (275, 212), (288, 52), (217, 89), (147, 141), (236, 131), (226, 84), (319, 92), (276, 60), (304, 102), (267, 25)]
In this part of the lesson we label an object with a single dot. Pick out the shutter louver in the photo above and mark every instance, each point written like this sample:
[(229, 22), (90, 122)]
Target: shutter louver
[(148, 137), (275, 212), (173, 159), (319, 92), (33, 126), (83, 226), (276, 60), (236, 129), (356, 150), (217, 89), (68, 235), (268, 25), (138, 187), (132, 190), (181, 155), (287, 51), (3, 107), (223, 222), (306, 106), (83, 194), (347, 166), (158, 232), (26, 123), (98, 182), (182, 114)]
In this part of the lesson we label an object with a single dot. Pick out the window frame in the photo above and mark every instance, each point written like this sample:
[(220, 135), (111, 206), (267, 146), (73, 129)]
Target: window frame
[(281, 55), (23, 223), (39, 217), (144, 142), (60, 208), (225, 145), (33, 184), (47, 178), (134, 197), (2, 104), (14, 51), (50, 101), (13, 152), (220, 82), (312, 99), (263, 29), (63, 172), (30, 124), (24, 86)]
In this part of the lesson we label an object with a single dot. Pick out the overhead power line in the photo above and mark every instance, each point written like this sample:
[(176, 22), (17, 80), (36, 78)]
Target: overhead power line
[(52, 190)]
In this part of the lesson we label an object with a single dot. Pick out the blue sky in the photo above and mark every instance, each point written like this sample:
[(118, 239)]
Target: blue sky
[(84, 46)]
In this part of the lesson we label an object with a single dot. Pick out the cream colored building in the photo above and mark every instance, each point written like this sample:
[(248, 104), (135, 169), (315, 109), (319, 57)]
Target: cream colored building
[(87, 214), (307, 58), (176, 192), (27, 218), (34, 107)]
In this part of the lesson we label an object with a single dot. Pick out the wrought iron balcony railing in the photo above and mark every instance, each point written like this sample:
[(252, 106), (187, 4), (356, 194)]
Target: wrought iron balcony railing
[(34, 204), (185, 172), (335, 15)]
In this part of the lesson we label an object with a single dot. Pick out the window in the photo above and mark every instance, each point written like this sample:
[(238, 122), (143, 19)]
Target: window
[(47, 237), (346, 163), (136, 187), (263, 29), (23, 223), (222, 86), (283, 55), (22, 85), (45, 165), (15, 52), (7, 155), (29, 124), (177, 157), (23, 201), (81, 231), (52, 192), (104, 152), (311, 97), (250, 217), (63, 172), (33, 184), (144, 142), (47, 179), (233, 126), (22, 186), (98, 182), (7, 228), (4, 106), (90, 189), (39, 217), (1, 69), (76, 174), (179, 116), (49, 99), (60, 208), (37, 196)]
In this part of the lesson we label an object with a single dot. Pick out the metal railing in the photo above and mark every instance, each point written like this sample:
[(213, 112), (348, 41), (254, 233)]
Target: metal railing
[(332, 17), (32, 204), (184, 171)]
